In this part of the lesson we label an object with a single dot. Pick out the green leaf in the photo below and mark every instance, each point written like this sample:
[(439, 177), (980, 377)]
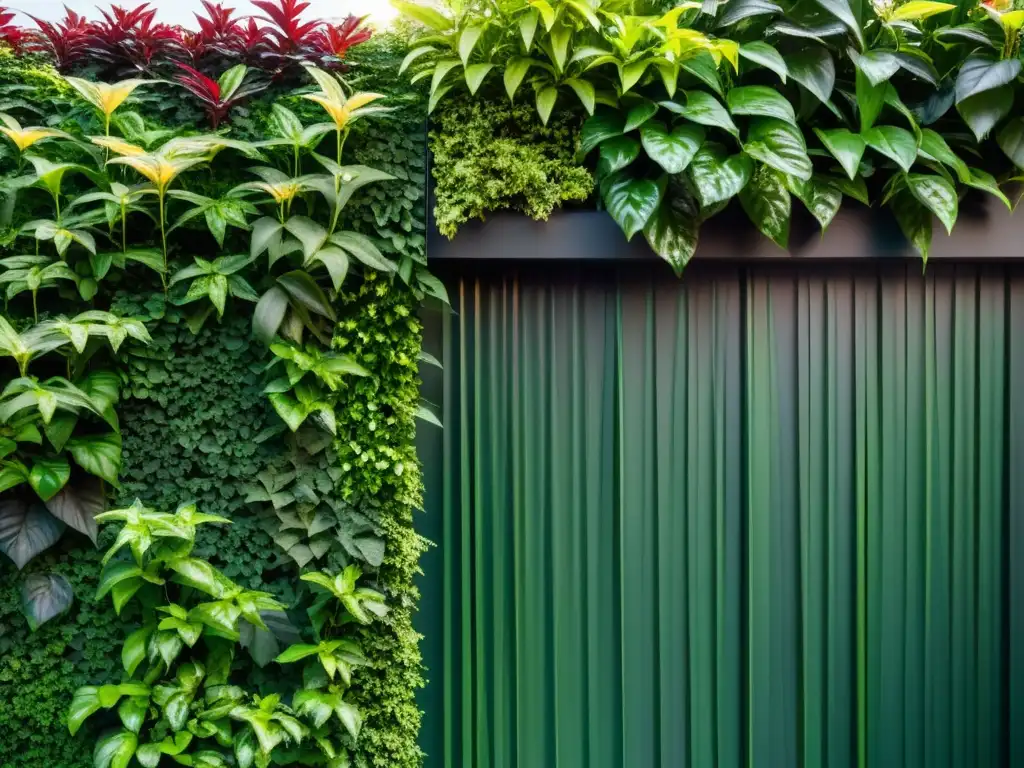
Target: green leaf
[(937, 195), (85, 703), (114, 573), (617, 153), (986, 182), (877, 66), (843, 11), (980, 74), (1011, 141), (738, 10), (133, 652), (304, 291), (476, 74), (672, 233), (631, 202), (363, 249), (468, 38), (821, 195), (600, 127), (630, 74), (846, 147), (854, 188), (934, 147), (760, 100), (983, 111), (269, 314), (515, 71), (640, 114), (45, 596), (780, 145), (718, 178), (48, 476), (99, 455), (766, 56), (424, 15), (546, 98), (895, 143), (672, 151), (297, 653), (584, 92), (350, 718), (115, 750), (870, 100), (292, 412), (815, 70), (703, 67), (767, 203), (915, 221), (231, 80), (132, 712), (705, 109)]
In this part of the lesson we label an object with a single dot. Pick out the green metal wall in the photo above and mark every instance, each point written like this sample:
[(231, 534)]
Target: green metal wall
[(759, 517)]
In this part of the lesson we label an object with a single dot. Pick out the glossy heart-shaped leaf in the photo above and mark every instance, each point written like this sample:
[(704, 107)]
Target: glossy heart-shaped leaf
[(718, 177), (915, 221), (780, 145), (983, 111), (48, 476), (846, 147), (895, 143), (980, 74), (672, 233), (673, 150), (767, 56), (600, 127), (937, 195), (815, 70), (821, 196), (704, 109), (617, 153), (1011, 141), (760, 100), (631, 202), (766, 201)]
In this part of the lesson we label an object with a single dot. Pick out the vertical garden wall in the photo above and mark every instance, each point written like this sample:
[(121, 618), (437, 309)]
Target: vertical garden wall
[(225, 319)]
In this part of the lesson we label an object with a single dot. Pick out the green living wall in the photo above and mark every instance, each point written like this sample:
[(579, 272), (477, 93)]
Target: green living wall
[(194, 417)]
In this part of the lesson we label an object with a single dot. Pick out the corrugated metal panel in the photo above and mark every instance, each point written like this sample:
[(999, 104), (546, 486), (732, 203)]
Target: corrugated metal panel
[(758, 517)]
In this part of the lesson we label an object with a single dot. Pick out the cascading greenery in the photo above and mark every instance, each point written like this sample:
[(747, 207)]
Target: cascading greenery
[(201, 228), (905, 103)]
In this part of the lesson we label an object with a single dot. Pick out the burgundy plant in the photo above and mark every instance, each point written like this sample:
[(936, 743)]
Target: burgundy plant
[(66, 41), (290, 35), (219, 25), (218, 96), (252, 40), (132, 35), (10, 33), (335, 40), (193, 44)]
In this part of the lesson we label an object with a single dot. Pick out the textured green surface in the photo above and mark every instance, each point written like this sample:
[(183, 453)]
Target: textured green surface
[(758, 517)]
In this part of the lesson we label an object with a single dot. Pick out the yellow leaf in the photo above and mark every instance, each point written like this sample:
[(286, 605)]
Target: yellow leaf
[(730, 51), (25, 138), (358, 100), (338, 112), (117, 146), (916, 10), (106, 97)]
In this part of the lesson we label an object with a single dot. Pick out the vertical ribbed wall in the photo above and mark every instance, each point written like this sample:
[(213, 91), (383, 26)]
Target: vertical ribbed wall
[(758, 517)]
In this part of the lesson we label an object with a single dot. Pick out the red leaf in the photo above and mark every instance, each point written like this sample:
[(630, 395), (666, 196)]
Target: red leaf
[(336, 40), (289, 31)]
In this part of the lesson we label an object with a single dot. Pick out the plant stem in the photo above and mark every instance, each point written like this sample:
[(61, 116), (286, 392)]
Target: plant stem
[(163, 241), (35, 310), (124, 228), (298, 161)]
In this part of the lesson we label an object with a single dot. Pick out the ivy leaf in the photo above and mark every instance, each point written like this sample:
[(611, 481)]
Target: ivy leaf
[(767, 203), (631, 202), (986, 182), (45, 596), (704, 68), (717, 177), (980, 74), (78, 505), (820, 195), (704, 109), (934, 147), (766, 56), (738, 10), (815, 70), (846, 147), (48, 476), (84, 704), (133, 652), (1011, 141), (895, 143), (672, 151), (853, 188), (98, 455), (115, 750), (983, 111), (780, 145)]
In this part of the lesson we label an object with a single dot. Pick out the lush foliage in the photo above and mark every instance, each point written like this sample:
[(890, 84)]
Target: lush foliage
[(905, 103), (176, 696), (217, 236), (493, 155)]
